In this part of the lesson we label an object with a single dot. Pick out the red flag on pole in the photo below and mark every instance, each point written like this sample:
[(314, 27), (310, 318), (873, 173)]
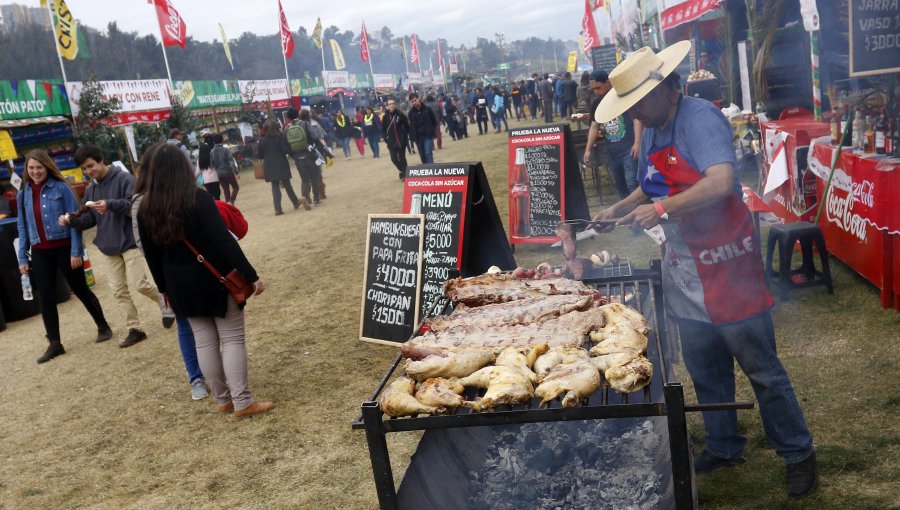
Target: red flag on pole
[(414, 51), (171, 26), (589, 29), (364, 44), (287, 38)]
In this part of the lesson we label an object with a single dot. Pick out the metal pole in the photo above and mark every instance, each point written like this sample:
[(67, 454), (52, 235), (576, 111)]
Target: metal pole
[(679, 446), (56, 43), (378, 454), (162, 44)]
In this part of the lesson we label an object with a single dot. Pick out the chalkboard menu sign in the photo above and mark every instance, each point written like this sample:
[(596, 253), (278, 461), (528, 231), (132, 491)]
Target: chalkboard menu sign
[(541, 164), (390, 302), (463, 235), (874, 37), (604, 57)]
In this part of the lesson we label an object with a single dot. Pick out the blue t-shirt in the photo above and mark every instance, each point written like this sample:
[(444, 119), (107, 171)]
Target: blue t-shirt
[(703, 138)]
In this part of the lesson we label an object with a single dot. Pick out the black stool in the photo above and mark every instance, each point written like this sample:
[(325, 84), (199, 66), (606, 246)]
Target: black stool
[(785, 236)]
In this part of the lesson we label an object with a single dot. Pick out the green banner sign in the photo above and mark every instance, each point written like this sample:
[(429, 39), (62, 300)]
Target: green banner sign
[(26, 99), (206, 94), (308, 87), (361, 81)]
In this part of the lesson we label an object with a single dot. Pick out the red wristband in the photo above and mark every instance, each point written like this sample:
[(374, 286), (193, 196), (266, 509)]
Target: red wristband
[(659, 210)]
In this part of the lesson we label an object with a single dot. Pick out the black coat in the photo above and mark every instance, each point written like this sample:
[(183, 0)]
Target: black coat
[(421, 123), (273, 152), (192, 289), (395, 129)]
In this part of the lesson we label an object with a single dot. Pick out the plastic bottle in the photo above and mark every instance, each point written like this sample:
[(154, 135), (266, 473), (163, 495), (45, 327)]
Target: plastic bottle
[(859, 127), (848, 137), (27, 293)]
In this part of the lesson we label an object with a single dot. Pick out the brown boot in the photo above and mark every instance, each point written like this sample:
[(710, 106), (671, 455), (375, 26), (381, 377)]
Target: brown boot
[(254, 408), (322, 188), (226, 408)]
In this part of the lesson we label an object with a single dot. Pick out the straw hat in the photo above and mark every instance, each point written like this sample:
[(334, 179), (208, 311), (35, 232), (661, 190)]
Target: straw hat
[(636, 76)]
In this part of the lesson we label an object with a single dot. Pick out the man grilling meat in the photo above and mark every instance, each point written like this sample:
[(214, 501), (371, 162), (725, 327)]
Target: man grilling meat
[(713, 274)]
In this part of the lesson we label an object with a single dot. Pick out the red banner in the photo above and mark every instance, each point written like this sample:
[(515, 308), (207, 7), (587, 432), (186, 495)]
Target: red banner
[(171, 26), (687, 11), (589, 29), (125, 118), (364, 44), (414, 52), (287, 38)]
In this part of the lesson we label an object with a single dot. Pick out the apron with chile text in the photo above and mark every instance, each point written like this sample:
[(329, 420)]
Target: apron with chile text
[(713, 269)]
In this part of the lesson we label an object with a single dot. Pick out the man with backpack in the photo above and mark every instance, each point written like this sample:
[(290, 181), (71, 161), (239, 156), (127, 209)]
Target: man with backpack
[(221, 160), (303, 141)]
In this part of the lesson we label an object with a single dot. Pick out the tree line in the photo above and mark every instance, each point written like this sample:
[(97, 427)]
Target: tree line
[(28, 53)]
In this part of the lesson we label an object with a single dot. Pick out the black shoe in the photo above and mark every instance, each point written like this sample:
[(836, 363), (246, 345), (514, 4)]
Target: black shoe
[(168, 321), (134, 336), (103, 334), (401, 176), (707, 462), (55, 349), (801, 477)]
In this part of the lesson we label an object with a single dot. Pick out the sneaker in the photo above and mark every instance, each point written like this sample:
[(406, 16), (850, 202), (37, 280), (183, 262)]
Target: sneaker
[(168, 321), (53, 350), (707, 462), (134, 336), (198, 389), (254, 408), (802, 478), (103, 334)]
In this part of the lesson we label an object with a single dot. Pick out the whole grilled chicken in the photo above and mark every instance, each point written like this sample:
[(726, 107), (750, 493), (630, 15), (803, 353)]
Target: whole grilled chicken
[(441, 393), (617, 313), (631, 376), (398, 399), (619, 338), (505, 386), (556, 356), (574, 380), (456, 365), (516, 358)]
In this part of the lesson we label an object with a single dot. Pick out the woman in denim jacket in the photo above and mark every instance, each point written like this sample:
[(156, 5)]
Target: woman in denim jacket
[(45, 196)]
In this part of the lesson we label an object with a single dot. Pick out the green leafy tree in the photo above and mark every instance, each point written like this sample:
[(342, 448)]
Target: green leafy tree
[(94, 110)]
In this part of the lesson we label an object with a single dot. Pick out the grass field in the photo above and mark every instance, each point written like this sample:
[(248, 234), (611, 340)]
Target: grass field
[(109, 428)]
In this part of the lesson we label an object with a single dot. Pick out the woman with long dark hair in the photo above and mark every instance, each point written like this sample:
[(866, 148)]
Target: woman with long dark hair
[(205, 168), (45, 196), (174, 216)]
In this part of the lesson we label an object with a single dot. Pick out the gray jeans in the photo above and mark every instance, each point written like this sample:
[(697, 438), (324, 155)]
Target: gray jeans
[(226, 370)]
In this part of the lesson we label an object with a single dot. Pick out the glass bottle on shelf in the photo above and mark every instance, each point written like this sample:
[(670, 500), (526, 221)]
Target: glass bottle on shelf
[(859, 127), (848, 137), (881, 133), (520, 193)]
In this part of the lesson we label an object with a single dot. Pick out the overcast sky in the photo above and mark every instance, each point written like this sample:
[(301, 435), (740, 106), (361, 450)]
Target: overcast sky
[(457, 21)]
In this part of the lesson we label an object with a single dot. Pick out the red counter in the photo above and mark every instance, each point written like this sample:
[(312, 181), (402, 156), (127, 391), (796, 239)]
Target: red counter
[(794, 200), (861, 219)]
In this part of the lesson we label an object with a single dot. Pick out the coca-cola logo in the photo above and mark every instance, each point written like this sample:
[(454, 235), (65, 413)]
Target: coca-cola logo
[(173, 27), (839, 210), (864, 192)]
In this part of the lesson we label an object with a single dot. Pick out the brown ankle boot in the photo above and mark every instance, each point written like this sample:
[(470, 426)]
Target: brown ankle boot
[(226, 408), (254, 408)]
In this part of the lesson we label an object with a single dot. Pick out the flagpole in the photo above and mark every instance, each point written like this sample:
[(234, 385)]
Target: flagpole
[(162, 43), (62, 67), (287, 78), (322, 44)]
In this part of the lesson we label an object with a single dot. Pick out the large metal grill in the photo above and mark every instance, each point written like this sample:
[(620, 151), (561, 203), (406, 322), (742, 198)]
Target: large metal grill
[(641, 290)]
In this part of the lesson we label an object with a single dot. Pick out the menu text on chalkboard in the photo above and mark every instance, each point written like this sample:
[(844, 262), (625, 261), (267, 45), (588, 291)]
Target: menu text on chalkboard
[(536, 184), (440, 193), (390, 302), (604, 57), (874, 37)]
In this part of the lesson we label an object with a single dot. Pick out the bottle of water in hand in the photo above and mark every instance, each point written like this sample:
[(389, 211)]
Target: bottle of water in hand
[(27, 294)]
